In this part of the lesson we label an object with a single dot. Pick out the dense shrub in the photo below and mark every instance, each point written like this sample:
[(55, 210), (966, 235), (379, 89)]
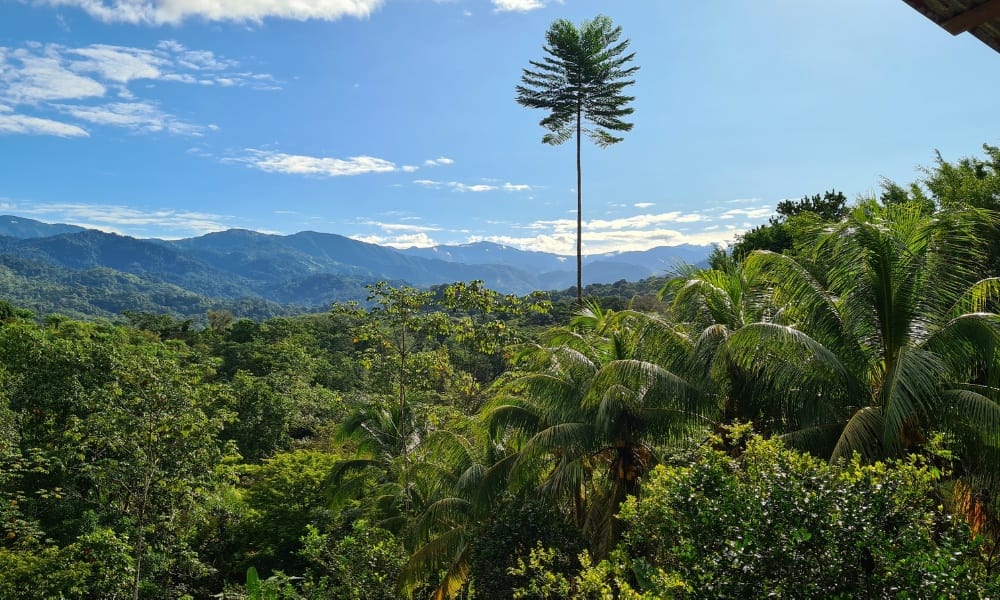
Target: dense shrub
[(779, 523)]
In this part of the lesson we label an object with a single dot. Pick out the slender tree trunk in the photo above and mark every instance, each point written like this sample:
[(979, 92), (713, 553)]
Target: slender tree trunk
[(139, 549), (579, 211), (402, 414)]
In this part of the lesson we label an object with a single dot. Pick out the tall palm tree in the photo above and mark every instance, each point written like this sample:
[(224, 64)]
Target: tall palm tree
[(884, 334), (590, 409), (581, 79)]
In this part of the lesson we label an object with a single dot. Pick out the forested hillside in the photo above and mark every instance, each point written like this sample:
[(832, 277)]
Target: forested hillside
[(86, 273), (814, 415)]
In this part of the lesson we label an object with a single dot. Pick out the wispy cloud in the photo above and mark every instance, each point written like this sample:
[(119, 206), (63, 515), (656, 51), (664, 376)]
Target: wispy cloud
[(517, 5), (748, 213), (298, 164), (458, 186), (164, 223), (77, 82), (558, 236), (397, 227), (164, 12), (139, 117), (644, 204), (117, 63), (438, 162), (25, 125), (29, 79)]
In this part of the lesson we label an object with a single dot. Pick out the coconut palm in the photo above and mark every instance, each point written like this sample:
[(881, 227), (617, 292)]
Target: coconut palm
[(384, 439), (461, 495), (881, 336), (712, 304), (589, 408)]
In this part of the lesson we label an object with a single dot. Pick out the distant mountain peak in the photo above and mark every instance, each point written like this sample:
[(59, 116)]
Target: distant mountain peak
[(24, 228)]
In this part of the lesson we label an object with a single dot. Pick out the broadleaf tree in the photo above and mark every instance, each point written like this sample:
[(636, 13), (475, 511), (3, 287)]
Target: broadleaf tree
[(581, 78)]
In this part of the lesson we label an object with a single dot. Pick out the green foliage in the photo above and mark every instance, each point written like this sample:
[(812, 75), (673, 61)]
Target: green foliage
[(98, 565), (507, 538), (791, 228), (275, 587), (581, 77), (262, 415), (540, 579), (346, 455), (611, 578), (363, 564), (969, 182), (287, 495), (778, 522), (585, 411), (878, 334)]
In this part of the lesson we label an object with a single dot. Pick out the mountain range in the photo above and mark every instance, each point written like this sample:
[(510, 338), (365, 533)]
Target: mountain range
[(78, 271)]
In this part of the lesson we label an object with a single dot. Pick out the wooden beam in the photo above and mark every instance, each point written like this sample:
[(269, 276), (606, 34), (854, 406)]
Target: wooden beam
[(972, 18)]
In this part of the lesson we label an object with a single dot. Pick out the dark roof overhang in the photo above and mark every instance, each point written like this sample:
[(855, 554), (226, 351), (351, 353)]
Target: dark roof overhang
[(981, 18)]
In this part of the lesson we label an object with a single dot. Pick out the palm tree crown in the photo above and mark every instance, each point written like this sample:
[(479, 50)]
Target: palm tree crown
[(880, 336), (581, 79)]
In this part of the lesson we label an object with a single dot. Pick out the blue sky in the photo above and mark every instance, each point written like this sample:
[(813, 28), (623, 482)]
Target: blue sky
[(394, 121)]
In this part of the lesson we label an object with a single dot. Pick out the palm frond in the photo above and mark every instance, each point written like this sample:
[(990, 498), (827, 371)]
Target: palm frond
[(982, 296), (862, 434), (803, 301), (973, 408), (910, 394), (566, 438), (445, 548), (788, 358), (819, 439), (968, 341)]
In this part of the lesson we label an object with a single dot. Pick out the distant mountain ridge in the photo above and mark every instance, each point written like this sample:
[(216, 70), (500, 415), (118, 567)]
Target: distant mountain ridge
[(23, 228), (305, 270)]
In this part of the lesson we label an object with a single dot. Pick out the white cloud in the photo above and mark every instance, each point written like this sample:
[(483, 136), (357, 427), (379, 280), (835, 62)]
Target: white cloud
[(438, 162), (25, 125), (42, 78), (458, 186), (297, 164), (52, 76), (638, 232), (474, 188), (565, 244), (140, 117), (394, 227), (644, 204), (119, 64), (420, 240), (117, 218), (409, 168), (517, 5), (749, 213), (196, 60), (558, 236), (161, 12)]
